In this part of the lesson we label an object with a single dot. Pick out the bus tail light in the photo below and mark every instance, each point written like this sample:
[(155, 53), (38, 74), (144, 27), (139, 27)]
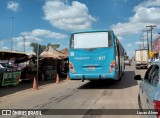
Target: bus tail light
[(71, 67), (157, 107), (112, 66)]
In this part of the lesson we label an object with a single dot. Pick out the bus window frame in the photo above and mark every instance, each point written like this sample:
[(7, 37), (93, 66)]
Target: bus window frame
[(109, 36)]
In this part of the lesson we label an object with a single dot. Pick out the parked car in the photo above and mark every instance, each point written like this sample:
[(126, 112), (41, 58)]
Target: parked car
[(149, 90), (2, 68), (8, 66), (128, 62)]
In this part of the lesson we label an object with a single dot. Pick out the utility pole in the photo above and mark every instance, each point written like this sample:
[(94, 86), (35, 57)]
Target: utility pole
[(147, 39), (24, 42), (37, 62), (140, 46), (151, 28), (11, 33)]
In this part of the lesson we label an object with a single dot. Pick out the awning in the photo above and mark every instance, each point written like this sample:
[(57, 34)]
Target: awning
[(50, 52)]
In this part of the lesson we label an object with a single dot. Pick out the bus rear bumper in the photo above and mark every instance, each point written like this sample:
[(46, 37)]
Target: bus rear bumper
[(91, 76)]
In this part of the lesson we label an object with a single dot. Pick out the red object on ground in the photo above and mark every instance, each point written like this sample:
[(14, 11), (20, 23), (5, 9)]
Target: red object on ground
[(35, 84), (57, 79)]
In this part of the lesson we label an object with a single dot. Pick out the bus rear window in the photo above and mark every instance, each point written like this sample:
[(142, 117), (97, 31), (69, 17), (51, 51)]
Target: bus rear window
[(91, 40)]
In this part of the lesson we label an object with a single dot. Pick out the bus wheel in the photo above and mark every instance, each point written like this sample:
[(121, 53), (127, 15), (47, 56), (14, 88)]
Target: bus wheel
[(120, 78)]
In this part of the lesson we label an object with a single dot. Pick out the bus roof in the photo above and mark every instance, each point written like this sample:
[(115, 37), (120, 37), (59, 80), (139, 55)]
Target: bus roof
[(85, 31)]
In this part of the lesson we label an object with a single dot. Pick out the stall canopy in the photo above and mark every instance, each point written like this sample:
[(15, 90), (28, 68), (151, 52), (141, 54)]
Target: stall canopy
[(65, 51), (6, 55), (30, 55), (50, 52)]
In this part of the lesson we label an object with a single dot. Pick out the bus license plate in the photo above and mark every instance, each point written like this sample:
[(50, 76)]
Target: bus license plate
[(91, 68)]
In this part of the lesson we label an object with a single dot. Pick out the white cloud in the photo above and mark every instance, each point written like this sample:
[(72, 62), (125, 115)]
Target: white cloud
[(68, 17), (149, 3), (21, 44), (5, 48), (141, 43), (29, 38), (120, 38), (129, 45), (14, 6), (2, 42), (146, 13), (44, 33), (36, 36)]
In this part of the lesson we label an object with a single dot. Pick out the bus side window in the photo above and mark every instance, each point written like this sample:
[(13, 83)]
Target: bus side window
[(72, 42), (109, 40), (116, 50)]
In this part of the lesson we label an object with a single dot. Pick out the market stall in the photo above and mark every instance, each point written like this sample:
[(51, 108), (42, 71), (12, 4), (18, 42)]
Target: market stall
[(65, 60), (9, 72), (50, 57)]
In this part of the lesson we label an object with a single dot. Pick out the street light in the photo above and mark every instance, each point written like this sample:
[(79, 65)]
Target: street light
[(11, 33), (24, 42)]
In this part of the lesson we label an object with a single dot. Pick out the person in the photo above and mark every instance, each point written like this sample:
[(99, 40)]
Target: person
[(58, 67)]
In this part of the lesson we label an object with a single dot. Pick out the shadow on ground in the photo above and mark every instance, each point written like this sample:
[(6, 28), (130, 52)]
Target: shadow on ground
[(127, 81), (23, 85)]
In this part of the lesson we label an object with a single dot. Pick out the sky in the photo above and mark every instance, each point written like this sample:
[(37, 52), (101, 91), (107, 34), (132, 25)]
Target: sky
[(52, 21)]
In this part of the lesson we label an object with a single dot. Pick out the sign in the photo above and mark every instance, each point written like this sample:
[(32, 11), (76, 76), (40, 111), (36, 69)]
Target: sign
[(11, 78), (151, 54)]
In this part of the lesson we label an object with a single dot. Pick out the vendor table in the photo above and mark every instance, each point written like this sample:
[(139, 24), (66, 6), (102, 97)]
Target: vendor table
[(10, 78)]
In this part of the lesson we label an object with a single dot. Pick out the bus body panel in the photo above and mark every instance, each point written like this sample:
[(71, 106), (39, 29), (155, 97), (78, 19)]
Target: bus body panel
[(91, 64), (96, 63)]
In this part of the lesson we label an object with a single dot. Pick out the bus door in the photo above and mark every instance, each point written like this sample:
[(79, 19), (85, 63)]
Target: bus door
[(117, 54)]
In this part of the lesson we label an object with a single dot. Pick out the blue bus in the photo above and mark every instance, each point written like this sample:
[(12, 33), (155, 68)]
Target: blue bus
[(94, 55)]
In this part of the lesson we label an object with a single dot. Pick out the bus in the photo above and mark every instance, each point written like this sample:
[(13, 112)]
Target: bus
[(95, 55)]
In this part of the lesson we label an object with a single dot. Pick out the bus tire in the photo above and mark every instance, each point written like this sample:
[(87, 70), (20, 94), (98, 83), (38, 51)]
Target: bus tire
[(120, 78), (121, 74)]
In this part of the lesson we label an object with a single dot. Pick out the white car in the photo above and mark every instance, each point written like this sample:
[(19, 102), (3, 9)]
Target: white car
[(149, 91), (128, 62)]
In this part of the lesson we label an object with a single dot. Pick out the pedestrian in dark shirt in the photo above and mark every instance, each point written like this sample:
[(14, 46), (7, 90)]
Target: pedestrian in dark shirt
[(58, 66)]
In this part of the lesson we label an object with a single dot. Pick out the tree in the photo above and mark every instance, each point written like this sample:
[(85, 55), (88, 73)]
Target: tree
[(55, 45), (42, 47), (125, 56)]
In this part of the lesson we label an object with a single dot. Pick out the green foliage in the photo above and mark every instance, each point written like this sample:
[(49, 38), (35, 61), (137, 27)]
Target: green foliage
[(125, 56), (43, 47), (54, 45)]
